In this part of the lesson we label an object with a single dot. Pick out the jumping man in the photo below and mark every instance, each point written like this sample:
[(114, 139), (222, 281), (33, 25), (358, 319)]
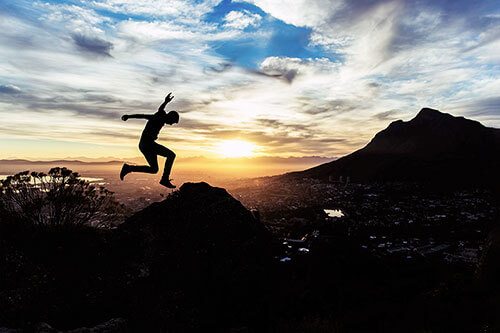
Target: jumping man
[(149, 148)]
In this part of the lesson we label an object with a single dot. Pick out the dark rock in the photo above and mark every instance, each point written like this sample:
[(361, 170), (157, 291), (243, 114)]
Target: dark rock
[(199, 260), (45, 328), (116, 325), (9, 330)]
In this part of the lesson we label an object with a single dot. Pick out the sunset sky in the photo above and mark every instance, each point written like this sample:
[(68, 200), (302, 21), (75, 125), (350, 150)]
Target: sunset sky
[(277, 77)]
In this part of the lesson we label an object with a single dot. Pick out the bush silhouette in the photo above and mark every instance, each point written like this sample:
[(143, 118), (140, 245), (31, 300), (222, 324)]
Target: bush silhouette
[(58, 198)]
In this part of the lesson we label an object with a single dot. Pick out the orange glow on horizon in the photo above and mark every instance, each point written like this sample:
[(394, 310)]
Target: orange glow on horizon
[(235, 148)]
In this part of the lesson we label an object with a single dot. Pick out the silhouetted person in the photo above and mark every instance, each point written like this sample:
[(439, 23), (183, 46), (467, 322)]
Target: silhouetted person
[(149, 148)]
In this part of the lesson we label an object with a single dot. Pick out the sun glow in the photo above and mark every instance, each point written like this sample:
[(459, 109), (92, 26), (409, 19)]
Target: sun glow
[(235, 148)]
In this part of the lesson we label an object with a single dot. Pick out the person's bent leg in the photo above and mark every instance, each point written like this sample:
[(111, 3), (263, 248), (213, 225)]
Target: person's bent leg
[(142, 168), (169, 161), (151, 157)]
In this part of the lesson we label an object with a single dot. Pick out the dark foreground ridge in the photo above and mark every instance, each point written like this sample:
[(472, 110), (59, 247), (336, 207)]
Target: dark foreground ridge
[(197, 260), (433, 146)]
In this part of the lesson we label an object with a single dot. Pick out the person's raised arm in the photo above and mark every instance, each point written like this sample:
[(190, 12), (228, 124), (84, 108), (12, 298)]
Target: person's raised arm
[(167, 100), (136, 116)]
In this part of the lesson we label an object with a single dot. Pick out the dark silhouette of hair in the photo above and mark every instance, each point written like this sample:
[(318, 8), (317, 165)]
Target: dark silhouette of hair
[(174, 115)]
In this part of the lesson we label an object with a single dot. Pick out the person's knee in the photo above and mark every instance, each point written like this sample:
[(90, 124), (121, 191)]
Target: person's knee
[(154, 169), (171, 155)]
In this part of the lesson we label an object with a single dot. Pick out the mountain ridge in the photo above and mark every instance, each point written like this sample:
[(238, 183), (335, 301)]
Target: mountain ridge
[(431, 146)]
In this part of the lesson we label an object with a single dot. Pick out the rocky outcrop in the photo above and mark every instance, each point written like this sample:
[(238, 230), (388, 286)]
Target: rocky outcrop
[(198, 259), (117, 325)]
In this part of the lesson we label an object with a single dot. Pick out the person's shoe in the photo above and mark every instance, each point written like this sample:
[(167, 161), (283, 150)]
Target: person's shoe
[(166, 182), (125, 171)]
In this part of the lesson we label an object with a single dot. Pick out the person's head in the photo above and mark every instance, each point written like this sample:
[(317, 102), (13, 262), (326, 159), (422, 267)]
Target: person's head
[(172, 118)]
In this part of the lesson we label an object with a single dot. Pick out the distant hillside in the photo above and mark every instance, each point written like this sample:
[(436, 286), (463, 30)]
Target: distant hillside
[(433, 146)]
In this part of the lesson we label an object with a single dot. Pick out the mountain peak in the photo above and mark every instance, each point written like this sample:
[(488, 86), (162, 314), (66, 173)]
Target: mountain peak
[(425, 117), (431, 114), (429, 111)]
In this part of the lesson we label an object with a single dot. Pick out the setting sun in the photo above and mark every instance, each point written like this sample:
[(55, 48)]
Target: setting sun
[(235, 148)]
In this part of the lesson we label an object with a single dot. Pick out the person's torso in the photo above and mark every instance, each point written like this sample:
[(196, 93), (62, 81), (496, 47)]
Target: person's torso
[(153, 126)]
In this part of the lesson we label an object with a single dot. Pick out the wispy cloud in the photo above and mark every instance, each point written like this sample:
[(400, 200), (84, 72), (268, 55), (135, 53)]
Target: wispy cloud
[(93, 45), (241, 19), (9, 89)]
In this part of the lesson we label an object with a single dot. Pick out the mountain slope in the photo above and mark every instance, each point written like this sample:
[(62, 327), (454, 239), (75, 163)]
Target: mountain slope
[(432, 146)]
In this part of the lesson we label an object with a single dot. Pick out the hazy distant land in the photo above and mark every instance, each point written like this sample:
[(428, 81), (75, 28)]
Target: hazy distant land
[(231, 167)]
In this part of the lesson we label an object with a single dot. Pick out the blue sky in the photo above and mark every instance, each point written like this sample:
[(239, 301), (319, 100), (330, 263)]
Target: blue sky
[(285, 40), (293, 77)]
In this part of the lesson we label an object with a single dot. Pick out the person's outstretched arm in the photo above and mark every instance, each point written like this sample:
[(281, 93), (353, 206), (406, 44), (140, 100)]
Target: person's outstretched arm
[(167, 100), (136, 116)]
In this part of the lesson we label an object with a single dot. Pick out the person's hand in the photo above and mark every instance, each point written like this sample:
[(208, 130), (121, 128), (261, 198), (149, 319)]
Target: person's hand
[(124, 117), (169, 97)]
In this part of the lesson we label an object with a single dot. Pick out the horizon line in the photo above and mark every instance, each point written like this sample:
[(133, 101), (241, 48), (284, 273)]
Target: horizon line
[(109, 159)]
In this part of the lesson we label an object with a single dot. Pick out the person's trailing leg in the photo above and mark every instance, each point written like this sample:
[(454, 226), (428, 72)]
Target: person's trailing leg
[(170, 157)]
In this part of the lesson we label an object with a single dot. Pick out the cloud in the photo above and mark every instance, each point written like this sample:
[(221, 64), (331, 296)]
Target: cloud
[(220, 68), (241, 19), (9, 89), (75, 19), (300, 12), (486, 108), (290, 68), (71, 106), (100, 98), (145, 32), (387, 115), (332, 106), (286, 68), (93, 45), (180, 10)]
